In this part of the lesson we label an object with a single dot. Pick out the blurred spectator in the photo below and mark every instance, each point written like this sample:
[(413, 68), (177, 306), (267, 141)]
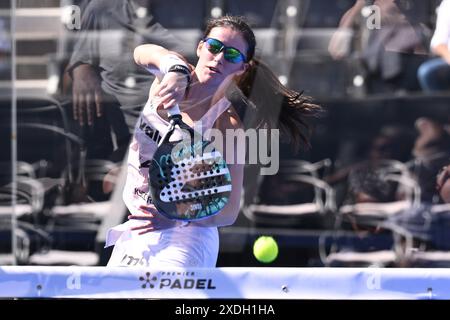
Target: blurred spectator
[(443, 183), (368, 183), (393, 142), (390, 52), (5, 50), (108, 89), (434, 75), (431, 152), (429, 223), (105, 79)]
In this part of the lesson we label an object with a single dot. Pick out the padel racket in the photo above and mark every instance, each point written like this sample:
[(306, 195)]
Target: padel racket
[(189, 179)]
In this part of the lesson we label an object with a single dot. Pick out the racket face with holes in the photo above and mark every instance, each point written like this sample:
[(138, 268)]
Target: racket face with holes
[(189, 181)]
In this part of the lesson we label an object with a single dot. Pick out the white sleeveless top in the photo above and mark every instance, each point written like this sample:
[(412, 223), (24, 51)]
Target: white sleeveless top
[(201, 242)]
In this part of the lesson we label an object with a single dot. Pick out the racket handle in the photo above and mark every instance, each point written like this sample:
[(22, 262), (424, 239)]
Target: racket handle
[(173, 111)]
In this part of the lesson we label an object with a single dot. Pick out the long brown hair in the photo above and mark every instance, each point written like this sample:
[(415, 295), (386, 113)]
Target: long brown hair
[(275, 105)]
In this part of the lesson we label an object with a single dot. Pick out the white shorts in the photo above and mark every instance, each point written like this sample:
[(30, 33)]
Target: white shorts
[(193, 247)]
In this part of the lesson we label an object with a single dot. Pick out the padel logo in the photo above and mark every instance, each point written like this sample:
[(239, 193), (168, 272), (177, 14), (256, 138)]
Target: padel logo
[(176, 280), (148, 280), (196, 206)]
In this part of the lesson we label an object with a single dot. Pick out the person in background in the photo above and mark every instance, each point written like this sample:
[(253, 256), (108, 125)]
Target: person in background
[(434, 74), (108, 89), (431, 152), (5, 51), (443, 183), (389, 53)]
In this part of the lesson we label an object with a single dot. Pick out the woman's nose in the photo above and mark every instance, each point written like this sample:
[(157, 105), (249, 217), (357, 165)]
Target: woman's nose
[(218, 57)]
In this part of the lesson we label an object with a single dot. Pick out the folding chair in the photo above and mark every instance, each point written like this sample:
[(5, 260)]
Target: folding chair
[(307, 213), (430, 227), (378, 239), (21, 221)]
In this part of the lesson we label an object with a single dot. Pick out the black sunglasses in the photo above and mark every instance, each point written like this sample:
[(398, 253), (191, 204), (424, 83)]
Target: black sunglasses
[(230, 54)]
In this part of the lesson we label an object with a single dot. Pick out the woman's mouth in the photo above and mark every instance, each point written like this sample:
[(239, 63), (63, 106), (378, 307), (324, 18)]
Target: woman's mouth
[(213, 69)]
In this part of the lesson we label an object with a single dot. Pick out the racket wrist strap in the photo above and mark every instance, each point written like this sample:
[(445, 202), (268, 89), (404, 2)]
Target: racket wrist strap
[(167, 62), (170, 60), (179, 68)]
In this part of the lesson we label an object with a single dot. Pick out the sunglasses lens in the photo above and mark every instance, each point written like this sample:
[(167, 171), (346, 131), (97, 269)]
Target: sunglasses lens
[(214, 46), (233, 55)]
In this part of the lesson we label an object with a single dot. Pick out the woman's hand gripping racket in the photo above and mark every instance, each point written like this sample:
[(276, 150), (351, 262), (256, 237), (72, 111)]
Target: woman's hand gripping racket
[(189, 179)]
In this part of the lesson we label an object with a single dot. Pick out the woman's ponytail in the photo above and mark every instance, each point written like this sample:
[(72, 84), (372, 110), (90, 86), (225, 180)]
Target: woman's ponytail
[(277, 106)]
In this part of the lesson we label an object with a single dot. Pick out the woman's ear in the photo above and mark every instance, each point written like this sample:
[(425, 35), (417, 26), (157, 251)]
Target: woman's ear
[(243, 69), (199, 47)]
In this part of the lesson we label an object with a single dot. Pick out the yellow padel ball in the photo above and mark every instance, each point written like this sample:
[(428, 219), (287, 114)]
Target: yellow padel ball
[(265, 249)]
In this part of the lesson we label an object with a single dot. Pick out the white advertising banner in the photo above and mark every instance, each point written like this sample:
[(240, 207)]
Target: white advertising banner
[(224, 283)]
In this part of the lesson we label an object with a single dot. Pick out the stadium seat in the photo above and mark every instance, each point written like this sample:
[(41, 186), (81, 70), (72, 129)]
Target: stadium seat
[(373, 221), (260, 14), (311, 197)]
